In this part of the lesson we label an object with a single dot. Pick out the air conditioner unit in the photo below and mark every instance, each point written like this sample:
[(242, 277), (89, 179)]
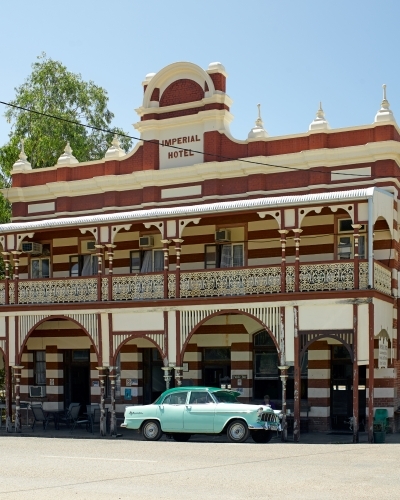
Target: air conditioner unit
[(90, 246), (32, 247), (223, 235), (37, 391), (146, 241)]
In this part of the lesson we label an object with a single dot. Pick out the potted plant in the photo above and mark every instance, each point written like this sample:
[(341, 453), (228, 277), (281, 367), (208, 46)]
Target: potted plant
[(379, 432)]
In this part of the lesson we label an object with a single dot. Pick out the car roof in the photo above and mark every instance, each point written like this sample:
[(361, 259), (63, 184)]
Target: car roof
[(195, 388)]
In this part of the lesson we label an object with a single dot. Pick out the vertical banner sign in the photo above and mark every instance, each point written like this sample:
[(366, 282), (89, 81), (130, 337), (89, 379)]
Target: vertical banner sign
[(383, 353)]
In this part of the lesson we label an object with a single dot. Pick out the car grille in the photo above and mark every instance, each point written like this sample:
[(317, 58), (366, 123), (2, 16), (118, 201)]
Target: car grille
[(268, 417)]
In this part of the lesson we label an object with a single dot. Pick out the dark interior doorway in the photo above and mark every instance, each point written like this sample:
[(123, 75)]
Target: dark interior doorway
[(216, 366), (76, 376), (342, 390), (153, 376)]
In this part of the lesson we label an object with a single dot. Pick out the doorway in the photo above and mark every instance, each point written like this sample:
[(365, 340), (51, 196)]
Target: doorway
[(342, 390), (76, 376), (153, 377), (216, 366)]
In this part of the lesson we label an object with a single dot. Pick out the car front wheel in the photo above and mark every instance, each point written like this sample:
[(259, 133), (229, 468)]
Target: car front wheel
[(237, 431), (261, 436), (151, 430)]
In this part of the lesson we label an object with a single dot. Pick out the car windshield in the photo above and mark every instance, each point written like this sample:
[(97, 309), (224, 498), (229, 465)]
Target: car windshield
[(225, 397)]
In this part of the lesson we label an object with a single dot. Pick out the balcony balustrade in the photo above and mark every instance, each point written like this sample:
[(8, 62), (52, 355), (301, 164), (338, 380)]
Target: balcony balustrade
[(318, 277)]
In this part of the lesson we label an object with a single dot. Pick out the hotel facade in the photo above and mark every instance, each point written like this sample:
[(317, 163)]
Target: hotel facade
[(268, 264)]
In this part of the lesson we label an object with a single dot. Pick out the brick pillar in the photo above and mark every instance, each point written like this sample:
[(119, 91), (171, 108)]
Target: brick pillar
[(178, 250), (166, 266), (17, 379), (242, 369), (319, 383), (371, 373), (193, 356), (297, 233), (110, 254), (6, 259), (131, 369), (54, 378), (16, 273), (356, 228)]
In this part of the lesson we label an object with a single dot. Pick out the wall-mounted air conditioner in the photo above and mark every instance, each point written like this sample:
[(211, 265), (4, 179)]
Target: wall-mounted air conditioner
[(37, 391), (223, 235), (32, 247), (146, 241), (90, 246)]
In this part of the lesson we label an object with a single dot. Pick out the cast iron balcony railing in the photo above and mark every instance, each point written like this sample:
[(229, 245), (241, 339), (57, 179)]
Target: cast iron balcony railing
[(259, 280)]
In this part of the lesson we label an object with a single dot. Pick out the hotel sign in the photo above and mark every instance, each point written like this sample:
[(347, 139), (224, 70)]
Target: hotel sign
[(182, 148)]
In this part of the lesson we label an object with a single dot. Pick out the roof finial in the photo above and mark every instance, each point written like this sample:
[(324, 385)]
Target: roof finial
[(67, 158), (115, 150), (258, 131), (22, 154), (22, 163), (319, 122), (385, 114)]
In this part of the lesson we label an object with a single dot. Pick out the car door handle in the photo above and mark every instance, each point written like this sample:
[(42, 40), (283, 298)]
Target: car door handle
[(188, 407)]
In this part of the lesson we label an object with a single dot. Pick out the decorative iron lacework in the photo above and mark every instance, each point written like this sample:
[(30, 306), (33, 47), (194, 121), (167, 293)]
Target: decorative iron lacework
[(231, 282), (171, 286), (382, 279), (104, 288), (363, 275), (138, 287), (11, 293), (2, 293), (335, 276), (290, 278), (57, 291)]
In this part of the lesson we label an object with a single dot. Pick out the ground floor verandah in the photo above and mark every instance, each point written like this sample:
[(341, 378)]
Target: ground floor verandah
[(306, 357)]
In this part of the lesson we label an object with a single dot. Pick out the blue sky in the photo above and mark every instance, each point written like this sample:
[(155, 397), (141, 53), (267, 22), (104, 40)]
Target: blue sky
[(286, 54)]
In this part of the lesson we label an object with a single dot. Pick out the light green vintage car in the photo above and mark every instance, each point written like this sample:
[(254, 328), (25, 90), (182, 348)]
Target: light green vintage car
[(184, 411)]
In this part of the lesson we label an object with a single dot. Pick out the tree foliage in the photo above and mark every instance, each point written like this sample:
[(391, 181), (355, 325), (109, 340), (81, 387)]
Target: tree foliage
[(52, 89)]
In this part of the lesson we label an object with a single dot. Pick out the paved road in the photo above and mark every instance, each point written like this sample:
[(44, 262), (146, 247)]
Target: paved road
[(54, 468)]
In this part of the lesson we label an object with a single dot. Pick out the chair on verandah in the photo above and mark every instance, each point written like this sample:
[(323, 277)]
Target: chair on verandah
[(39, 415), (66, 417), (78, 419)]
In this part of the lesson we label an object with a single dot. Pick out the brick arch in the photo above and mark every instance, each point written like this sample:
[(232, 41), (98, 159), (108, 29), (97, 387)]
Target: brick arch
[(180, 92), (134, 337), (223, 313), (59, 317)]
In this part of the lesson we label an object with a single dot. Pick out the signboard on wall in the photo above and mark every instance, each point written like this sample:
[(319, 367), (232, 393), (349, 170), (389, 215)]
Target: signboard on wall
[(181, 146), (383, 353)]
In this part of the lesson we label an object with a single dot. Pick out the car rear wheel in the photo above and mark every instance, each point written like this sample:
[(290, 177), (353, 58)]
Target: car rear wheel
[(181, 437), (237, 431), (261, 436), (151, 430)]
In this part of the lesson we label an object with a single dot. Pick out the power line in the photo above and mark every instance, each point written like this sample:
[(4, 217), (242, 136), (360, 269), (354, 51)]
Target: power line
[(153, 141)]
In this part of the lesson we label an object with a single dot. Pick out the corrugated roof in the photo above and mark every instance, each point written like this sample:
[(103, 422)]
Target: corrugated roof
[(192, 210)]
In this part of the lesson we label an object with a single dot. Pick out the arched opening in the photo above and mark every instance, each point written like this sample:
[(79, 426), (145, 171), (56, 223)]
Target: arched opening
[(59, 360), (139, 377), (220, 350)]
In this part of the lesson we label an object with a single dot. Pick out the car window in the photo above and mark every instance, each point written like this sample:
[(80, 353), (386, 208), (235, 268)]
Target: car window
[(200, 398), (225, 397), (178, 398)]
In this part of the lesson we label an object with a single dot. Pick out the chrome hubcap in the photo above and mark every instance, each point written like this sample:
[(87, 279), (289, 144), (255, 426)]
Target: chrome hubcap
[(150, 430), (237, 431)]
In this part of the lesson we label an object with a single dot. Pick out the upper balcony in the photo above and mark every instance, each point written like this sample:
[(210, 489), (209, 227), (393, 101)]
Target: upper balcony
[(317, 277)]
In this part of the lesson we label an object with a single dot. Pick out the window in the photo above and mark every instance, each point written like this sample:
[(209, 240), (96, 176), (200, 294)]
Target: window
[(147, 261), (224, 256), (200, 398), (83, 265), (345, 242), (177, 398), (40, 265), (40, 367)]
